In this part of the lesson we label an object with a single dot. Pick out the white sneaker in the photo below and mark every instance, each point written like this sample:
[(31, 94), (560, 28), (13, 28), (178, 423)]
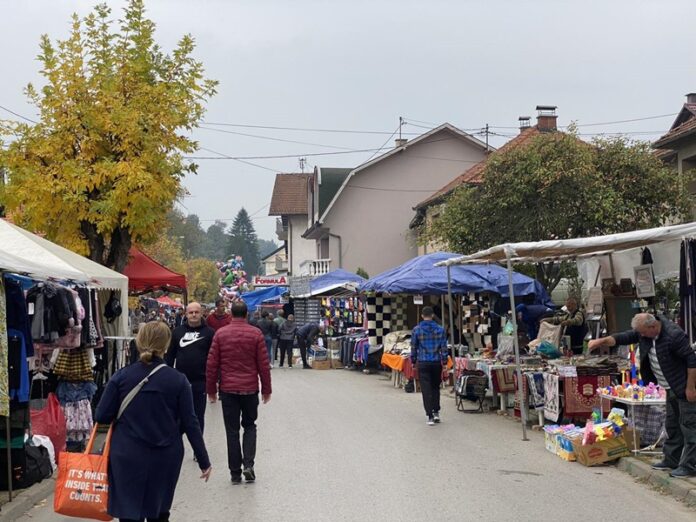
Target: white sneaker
[(436, 417), (430, 421)]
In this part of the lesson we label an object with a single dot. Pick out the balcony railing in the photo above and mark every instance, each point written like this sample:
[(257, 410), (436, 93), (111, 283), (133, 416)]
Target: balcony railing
[(281, 230), (281, 265), (315, 267)]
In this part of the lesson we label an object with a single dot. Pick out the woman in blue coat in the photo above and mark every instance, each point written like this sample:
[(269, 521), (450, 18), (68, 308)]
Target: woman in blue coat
[(146, 445)]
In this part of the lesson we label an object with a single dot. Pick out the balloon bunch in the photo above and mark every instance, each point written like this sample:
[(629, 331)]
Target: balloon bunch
[(233, 278)]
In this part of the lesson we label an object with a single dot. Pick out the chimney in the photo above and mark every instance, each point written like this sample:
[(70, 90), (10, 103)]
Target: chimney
[(524, 123), (691, 98), (400, 142), (546, 118)]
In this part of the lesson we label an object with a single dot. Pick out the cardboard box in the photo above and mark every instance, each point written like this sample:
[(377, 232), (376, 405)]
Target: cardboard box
[(335, 358), (600, 452), (550, 442), (628, 437), (320, 365)]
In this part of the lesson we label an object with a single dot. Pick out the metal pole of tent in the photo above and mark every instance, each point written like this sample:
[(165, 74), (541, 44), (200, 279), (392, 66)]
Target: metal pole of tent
[(523, 399), (688, 313), (451, 319)]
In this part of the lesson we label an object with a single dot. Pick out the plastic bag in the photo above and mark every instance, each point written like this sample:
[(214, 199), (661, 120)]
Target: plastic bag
[(548, 350), (50, 422), (508, 329)]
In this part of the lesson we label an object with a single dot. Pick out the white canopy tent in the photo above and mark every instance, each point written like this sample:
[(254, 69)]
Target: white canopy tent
[(623, 244), (26, 253)]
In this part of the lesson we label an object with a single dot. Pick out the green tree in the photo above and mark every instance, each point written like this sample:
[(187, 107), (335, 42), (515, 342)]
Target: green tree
[(187, 231), (558, 187), (105, 162), (266, 246), (216, 241), (243, 242)]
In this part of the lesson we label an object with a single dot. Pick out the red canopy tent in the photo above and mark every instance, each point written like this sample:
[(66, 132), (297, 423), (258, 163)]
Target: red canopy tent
[(168, 301), (145, 275)]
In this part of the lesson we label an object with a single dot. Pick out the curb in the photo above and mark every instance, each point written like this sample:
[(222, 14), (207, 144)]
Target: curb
[(681, 489), (27, 499)]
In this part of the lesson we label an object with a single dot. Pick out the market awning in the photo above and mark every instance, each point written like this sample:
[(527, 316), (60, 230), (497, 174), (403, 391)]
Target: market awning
[(573, 248), (145, 274), (256, 298), (336, 282), (421, 276)]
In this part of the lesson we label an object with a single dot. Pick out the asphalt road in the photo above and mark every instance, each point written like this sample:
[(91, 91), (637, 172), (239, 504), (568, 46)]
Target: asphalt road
[(338, 445)]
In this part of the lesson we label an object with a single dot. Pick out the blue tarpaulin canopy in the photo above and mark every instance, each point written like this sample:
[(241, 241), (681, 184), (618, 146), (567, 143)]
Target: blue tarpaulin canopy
[(336, 281), (256, 298), (420, 276)]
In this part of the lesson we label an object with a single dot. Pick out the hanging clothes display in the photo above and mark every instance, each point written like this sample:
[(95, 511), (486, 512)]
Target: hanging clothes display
[(4, 385)]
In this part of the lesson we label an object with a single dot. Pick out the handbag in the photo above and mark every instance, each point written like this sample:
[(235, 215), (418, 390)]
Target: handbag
[(82, 486)]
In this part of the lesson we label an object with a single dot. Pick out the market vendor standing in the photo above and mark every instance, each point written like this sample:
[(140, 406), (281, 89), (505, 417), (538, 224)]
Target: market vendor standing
[(306, 337), (530, 314), (667, 358), (573, 319), (429, 355)]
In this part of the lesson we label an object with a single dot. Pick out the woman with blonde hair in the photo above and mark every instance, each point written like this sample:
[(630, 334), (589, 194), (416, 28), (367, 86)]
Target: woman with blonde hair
[(155, 406)]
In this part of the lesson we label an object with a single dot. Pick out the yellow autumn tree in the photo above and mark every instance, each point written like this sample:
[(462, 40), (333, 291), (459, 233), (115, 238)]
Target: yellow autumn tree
[(104, 164), (202, 279)]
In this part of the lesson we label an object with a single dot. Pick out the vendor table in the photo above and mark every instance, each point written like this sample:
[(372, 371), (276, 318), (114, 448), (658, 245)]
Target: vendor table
[(632, 403), (402, 367)]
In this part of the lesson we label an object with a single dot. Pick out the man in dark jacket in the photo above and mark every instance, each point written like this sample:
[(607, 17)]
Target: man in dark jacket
[(268, 329), (429, 355), (237, 360), (306, 337), (188, 352), (667, 358)]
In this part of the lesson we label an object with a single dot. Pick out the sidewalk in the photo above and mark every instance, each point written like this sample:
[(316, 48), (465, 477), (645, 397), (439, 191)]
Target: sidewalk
[(24, 499), (640, 468)]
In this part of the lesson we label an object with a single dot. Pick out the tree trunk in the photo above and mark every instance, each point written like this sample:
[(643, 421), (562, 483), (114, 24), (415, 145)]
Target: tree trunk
[(549, 274), (95, 242), (119, 249)]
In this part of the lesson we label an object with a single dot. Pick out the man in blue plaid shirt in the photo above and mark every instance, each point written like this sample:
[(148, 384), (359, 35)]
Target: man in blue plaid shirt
[(429, 355)]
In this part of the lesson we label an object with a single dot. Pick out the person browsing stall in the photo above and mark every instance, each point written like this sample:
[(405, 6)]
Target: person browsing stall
[(429, 355), (667, 359), (146, 444), (306, 337)]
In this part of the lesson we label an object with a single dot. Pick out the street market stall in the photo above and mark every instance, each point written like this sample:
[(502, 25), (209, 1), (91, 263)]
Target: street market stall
[(145, 275), (613, 248), (56, 309), (477, 288)]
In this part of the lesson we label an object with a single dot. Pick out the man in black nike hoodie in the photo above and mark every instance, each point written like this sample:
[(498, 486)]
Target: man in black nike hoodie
[(188, 352)]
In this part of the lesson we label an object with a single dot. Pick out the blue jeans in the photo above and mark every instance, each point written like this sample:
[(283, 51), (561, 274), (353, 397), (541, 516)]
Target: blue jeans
[(269, 347)]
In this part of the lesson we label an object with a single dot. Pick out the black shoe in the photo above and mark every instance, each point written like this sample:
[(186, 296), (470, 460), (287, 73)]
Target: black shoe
[(662, 466), (236, 480), (249, 474), (436, 417), (307, 367), (682, 473)]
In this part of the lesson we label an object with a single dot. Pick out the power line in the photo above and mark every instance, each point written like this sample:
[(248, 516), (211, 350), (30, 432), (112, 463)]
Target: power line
[(225, 156), (271, 138), (384, 144), (282, 156), (18, 115), (303, 129)]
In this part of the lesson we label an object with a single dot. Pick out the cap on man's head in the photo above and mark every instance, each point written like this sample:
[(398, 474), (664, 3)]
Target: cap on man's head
[(428, 311)]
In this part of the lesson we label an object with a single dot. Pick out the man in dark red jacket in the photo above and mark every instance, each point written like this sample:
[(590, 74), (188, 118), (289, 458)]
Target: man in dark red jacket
[(237, 359)]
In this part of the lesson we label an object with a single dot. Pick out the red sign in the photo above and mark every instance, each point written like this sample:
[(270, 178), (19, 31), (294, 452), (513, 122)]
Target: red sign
[(271, 280)]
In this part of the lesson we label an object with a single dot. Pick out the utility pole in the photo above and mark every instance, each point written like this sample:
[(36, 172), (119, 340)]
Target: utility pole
[(303, 163), (487, 149), (401, 124)]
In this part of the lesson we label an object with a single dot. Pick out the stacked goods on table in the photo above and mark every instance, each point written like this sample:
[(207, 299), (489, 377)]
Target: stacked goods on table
[(558, 440), (636, 392)]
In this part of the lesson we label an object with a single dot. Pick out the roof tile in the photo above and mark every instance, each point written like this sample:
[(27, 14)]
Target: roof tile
[(289, 195)]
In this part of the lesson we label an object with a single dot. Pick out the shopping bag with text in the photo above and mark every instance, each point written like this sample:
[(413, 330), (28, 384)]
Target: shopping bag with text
[(82, 486)]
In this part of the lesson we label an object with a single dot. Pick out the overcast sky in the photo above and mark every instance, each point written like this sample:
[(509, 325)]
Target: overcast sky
[(359, 65)]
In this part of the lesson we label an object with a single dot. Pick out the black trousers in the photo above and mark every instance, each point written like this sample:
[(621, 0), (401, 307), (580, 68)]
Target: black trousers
[(199, 401), (430, 376), (302, 343), (235, 408), (164, 517), (285, 346), (680, 447)]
